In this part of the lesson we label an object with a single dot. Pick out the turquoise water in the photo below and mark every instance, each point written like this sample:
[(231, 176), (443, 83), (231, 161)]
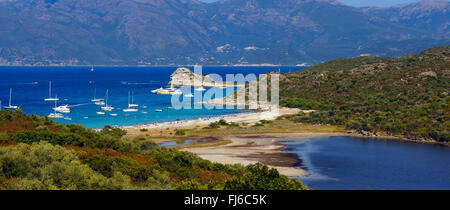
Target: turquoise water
[(75, 86), (343, 163)]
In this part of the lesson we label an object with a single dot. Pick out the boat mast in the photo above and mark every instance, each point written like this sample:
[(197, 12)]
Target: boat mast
[(106, 98), (128, 99), (50, 90), (10, 94), (54, 110)]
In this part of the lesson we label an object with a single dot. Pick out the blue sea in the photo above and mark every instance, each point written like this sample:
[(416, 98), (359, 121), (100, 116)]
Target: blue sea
[(344, 163), (76, 86)]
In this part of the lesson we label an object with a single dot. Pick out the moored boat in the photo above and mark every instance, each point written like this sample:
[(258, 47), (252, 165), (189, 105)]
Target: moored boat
[(11, 107), (50, 98), (107, 108), (168, 91), (130, 108), (55, 115)]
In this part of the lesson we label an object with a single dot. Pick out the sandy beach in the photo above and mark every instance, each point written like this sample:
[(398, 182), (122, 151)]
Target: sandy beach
[(245, 149), (249, 117), (229, 147), (264, 148)]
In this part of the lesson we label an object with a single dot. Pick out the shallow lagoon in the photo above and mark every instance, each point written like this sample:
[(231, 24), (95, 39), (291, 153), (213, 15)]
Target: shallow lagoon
[(358, 164)]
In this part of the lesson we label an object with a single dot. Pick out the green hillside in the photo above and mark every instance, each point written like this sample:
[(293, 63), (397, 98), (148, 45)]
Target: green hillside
[(406, 96), (38, 154)]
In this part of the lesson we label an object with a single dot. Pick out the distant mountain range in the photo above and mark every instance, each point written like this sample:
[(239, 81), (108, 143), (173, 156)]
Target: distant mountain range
[(227, 32)]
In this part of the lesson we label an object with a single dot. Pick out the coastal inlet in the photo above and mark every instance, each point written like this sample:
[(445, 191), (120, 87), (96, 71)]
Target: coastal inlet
[(30, 86)]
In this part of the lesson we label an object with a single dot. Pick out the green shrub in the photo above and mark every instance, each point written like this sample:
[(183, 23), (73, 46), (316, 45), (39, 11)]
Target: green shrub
[(180, 132)]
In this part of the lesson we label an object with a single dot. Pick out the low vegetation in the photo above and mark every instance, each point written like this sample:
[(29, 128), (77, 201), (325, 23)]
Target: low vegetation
[(38, 154), (407, 96)]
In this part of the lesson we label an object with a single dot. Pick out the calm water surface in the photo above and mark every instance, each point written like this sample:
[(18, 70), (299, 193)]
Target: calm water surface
[(75, 86), (355, 163)]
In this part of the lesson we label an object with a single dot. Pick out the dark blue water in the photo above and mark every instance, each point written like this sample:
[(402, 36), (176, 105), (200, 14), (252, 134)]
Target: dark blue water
[(353, 163), (75, 86)]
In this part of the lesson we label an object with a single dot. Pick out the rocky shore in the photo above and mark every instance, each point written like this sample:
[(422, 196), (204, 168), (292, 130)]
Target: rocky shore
[(185, 77)]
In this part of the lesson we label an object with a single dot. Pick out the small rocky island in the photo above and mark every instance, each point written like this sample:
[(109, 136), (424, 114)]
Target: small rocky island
[(185, 77)]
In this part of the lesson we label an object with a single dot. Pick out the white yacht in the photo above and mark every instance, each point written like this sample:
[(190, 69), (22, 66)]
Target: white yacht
[(168, 91), (62, 109), (130, 109), (107, 108), (97, 99), (50, 93), (158, 110), (132, 101), (100, 103), (101, 113), (190, 95), (55, 114), (157, 90), (10, 107), (114, 115)]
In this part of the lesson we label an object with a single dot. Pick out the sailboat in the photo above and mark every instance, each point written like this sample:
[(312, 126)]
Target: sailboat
[(55, 114), (92, 68), (11, 107), (50, 94), (97, 99), (130, 109), (107, 108), (132, 101), (100, 103)]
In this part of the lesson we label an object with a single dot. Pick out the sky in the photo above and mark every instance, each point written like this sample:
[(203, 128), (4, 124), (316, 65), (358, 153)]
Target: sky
[(363, 3)]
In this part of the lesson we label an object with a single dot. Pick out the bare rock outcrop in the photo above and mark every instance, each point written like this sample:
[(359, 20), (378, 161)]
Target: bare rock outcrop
[(185, 77)]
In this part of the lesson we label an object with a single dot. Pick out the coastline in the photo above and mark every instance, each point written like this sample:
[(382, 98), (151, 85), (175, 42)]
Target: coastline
[(250, 148), (246, 117), (264, 148)]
